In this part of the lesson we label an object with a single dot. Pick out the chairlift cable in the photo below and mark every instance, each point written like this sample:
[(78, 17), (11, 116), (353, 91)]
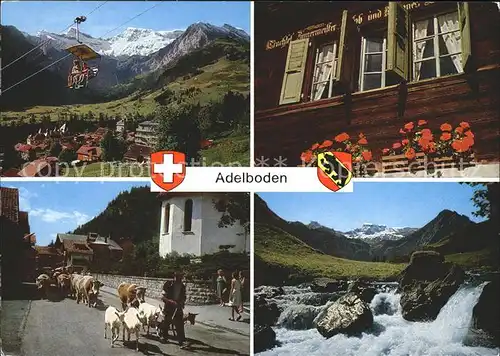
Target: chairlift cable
[(32, 75), (46, 41), (60, 59)]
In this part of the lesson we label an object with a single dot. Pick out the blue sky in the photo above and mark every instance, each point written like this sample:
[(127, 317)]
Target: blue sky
[(55, 16), (391, 204), (59, 207)]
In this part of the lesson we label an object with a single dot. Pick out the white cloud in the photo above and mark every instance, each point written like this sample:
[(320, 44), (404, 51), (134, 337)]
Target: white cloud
[(25, 197), (52, 216)]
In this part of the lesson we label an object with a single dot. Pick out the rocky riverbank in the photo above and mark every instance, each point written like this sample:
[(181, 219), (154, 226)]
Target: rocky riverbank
[(433, 309)]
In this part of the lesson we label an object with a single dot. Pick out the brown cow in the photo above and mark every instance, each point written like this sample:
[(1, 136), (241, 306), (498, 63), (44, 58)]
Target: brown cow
[(43, 283), (75, 281), (64, 284), (131, 295), (88, 288)]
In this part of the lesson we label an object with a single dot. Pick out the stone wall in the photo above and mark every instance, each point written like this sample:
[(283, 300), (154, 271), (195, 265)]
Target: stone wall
[(198, 292)]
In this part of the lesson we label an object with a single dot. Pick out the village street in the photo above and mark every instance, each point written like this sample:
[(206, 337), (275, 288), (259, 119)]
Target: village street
[(64, 328)]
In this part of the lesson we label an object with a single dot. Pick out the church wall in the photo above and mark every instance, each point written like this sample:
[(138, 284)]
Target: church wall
[(215, 236), (183, 242)]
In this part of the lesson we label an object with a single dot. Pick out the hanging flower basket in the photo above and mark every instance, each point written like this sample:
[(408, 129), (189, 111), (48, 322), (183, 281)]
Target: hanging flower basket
[(421, 149), (362, 163)]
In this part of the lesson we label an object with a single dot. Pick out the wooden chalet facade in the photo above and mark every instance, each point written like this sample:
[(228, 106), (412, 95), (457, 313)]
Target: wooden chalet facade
[(88, 252), (323, 68), (17, 243)]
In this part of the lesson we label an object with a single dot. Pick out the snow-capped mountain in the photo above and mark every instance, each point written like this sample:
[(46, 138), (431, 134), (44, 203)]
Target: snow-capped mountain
[(131, 42), (374, 232), (134, 41), (196, 36), (140, 41)]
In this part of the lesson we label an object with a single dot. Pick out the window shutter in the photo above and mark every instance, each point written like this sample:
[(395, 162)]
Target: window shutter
[(398, 40), (291, 89), (464, 20), (349, 41)]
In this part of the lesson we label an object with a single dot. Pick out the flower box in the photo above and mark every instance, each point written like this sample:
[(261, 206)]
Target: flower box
[(399, 163)]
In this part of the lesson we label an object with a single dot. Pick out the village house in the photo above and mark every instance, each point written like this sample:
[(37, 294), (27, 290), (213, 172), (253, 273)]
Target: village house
[(189, 225), (120, 126), (324, 68), (82, 252), (17, 243), (48, 257), (89, 153), (146, 133), (137, 153)]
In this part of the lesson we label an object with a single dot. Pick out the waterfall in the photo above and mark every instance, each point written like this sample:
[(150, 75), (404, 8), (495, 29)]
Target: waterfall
[(392, 335)]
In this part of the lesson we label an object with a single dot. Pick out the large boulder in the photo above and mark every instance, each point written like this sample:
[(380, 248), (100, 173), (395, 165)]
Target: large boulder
[(264, 338), (327, 285), (485, 324), (265, 313), (349, 315), (298, 317), (426, 284), (269, 292), (363, 289)]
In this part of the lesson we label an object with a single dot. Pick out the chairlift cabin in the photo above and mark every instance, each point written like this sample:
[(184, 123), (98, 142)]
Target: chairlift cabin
[(86, 61)]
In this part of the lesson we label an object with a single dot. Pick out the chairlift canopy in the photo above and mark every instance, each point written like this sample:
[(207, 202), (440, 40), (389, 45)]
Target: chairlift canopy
[(83, 52)]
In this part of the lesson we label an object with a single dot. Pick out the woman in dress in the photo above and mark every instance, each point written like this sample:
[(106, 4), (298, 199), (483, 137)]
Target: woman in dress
[(221, 287), (235, 297)]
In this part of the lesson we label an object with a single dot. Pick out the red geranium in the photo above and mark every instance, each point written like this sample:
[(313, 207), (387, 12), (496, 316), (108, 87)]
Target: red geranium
[(446, 127), (410, 154), (445, 136), (340, 143), (422, 122), (409, 126), (326, 144), (464, 125), (342, 137)]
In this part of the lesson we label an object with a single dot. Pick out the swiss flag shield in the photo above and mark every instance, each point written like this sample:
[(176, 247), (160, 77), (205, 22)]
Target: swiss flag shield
[(168, 169), (334, 169)]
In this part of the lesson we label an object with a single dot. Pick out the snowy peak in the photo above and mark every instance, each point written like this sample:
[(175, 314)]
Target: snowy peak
[(213, 31), (140, 41), (314, 225), (377, 232)]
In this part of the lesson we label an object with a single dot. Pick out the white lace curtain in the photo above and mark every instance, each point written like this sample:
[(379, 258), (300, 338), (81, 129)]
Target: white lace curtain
[(420, 32), (323, 71), (449, 22)]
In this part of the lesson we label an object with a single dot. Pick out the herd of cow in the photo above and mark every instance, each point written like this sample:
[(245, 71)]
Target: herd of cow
[(82, 287), (135, 313)]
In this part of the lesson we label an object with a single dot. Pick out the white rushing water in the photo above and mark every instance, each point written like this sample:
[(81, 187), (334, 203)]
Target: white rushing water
[(394, 336)]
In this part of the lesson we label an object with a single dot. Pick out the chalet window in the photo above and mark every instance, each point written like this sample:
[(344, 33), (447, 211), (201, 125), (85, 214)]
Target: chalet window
[(379, 54), (166, 219), (437, 47), (188, 214), (325, 67), (373, 63), (291, 88)]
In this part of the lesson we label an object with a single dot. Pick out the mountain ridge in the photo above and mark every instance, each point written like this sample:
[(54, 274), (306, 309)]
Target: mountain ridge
[(130, 42)]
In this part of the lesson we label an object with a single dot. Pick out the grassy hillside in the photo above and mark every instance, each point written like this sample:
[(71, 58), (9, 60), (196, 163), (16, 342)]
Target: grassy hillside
[(213, 81), (278, 250)]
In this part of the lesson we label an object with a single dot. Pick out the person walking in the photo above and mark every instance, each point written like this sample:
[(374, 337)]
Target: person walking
[(221, 287), (244, 288), (235, 297), (174, 297)]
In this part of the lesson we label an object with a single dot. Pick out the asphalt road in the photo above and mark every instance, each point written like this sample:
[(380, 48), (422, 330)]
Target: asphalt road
[(64, 328)]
